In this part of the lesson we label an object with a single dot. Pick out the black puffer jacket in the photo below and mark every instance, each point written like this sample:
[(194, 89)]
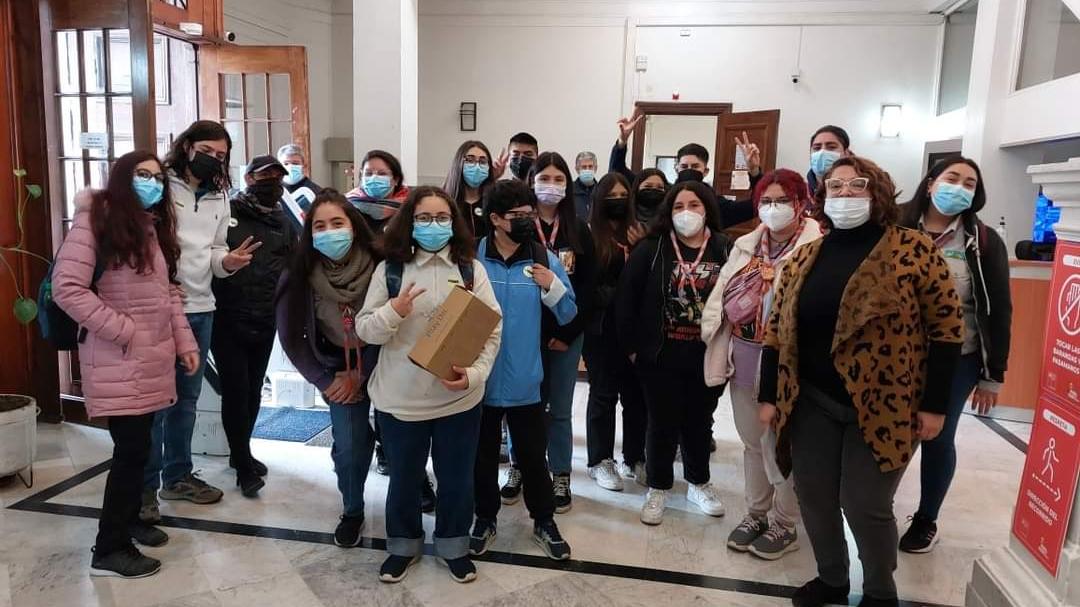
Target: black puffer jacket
[(247, 297)]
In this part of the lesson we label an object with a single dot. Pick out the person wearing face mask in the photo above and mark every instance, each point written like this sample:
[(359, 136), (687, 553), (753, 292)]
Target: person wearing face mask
[(647, 196), (471, 173), (527, 278), (316, 302), (733, 328), (585, 165), (382, 189), (611, 376), (861, 346), (243, 334), (135, 334), (662, 291), (827, 145), (945, 207), (300, 190), (523, 152), (429, 252)]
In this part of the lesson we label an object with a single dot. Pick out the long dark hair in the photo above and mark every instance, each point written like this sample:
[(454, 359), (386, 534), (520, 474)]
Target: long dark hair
[(568, 221), (606, 239), (882, 191), (455, 184), (915, 208), (118, 220), (645, 174), (664, 224), (397, 241), (391, 161), (200, 130)]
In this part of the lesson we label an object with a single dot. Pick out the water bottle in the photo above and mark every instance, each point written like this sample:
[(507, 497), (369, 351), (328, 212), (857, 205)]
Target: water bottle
[(1002, 231)]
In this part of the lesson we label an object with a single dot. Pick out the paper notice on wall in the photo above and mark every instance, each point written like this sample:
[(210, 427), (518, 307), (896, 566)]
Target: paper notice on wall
[(94, 141)]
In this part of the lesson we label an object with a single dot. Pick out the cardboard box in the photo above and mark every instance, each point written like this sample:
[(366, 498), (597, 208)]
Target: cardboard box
[(455, 334)]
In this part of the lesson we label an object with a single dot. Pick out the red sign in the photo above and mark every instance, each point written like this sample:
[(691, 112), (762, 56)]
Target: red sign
[(1048, 485), (1061, 360)]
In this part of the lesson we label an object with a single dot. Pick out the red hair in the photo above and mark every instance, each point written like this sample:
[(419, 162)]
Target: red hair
[(792, 183)]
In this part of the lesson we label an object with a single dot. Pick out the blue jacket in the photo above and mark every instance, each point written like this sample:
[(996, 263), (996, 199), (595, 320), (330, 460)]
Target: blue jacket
[(516, 375)]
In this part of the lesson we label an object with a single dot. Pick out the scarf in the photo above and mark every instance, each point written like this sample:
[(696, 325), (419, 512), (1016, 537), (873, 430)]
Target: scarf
[(339, 291)]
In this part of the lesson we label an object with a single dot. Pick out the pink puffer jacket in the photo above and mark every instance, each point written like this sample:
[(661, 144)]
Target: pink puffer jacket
[(135, 325)]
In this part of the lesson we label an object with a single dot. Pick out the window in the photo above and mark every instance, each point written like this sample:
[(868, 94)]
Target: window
[(956, 58), (177, 91), (258, 115), (1051, 43)]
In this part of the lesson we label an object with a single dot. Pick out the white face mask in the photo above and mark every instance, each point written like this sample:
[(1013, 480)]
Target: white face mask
[(688, 223), (776, 217), (847, 213)]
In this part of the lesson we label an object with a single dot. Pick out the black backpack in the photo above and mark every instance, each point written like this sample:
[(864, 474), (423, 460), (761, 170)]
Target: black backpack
[(56, 326), (395, 270)]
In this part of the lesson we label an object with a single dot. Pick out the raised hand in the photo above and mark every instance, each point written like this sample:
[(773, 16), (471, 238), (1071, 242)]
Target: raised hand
[(403, 303), (498, 165), (240, 257), (634, 233), (627, 126), (750, 152)]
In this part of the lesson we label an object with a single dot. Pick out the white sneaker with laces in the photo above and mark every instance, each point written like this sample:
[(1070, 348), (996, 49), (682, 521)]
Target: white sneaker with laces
[(652, 512), (625, 470), (606, 476), (705, 497), (640, 475)]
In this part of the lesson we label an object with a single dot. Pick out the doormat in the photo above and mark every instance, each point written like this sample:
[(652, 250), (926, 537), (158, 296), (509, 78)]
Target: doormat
[(288, 424)]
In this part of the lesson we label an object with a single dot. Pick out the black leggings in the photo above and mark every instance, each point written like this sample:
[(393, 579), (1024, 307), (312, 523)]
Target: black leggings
[(123, 487), (241, 357)]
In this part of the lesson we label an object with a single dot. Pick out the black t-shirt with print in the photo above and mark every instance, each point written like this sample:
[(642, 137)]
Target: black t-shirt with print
[(683, 307)]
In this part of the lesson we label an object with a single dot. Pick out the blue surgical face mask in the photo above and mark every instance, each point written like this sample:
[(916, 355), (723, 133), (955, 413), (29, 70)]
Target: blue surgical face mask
[(475, 174), (377, 186), (295, 174), (149, 191), (587, 177), (952, 199), (822, 160), (334, 244), (432, 237)]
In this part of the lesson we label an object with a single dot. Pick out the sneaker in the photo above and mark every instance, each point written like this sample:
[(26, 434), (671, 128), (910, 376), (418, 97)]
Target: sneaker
[(192, 489), (511, 491), (504, 454), (427, 495), (712, 445), (817, 593), (483, 533), (250, 483), (705, 497), (606, 475), (256, 466), (382, 467), (652, 512), (395, 568), (148, 535), (869, 601), (639, 474), (777, 541), (561, 485), (547, 536), (347, 534), (462, 569), (921, 536), (127, 562), (748, 530), (149, 512)]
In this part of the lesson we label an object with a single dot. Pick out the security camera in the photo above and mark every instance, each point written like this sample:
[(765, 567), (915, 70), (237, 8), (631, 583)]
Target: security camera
[(795, 78), (230, 36)]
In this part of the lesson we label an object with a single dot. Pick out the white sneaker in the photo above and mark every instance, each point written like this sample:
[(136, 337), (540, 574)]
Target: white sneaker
[(705, 497), (606, 476), (652, 512), (625, 470), (639, 474)]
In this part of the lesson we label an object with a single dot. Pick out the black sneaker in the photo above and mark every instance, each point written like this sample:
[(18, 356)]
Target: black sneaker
[(382, 467), (148, 535), (920, 537), (395, 568), (483, 533), (427, 496), (712, 445), (127, 562), (563, 499), (511, 491), (547, 536), (817, 593), (462, 569), (250, 482), (869, 601), (256, 466), (347, 534)]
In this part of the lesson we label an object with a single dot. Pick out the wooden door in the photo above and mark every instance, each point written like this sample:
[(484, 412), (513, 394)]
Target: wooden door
[(260, 94), (761, 127)]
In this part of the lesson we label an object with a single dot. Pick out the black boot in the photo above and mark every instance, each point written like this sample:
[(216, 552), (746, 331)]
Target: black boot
[(249, 482), (817, 593)]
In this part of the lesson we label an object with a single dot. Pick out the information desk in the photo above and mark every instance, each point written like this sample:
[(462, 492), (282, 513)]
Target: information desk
[(1029, 282)]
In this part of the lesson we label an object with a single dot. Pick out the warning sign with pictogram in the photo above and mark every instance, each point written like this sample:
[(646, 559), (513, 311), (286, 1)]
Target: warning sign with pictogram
[(1061, 359)]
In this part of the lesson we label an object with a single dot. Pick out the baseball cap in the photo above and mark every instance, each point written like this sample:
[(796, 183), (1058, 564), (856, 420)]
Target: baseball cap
[(259, 164)]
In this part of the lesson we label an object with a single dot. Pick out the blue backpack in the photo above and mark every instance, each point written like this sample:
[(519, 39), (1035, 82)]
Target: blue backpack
[(56, 326)]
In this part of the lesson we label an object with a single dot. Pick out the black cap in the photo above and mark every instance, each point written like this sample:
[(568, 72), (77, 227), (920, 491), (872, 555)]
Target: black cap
[(259, 164)]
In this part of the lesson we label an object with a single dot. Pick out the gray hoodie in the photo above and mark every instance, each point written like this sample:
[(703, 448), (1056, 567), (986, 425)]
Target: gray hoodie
[(201, 228)]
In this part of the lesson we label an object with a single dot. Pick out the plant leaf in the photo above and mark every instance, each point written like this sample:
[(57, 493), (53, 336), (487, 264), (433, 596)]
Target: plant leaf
[(26, 310), (34, 190), (20, 172)]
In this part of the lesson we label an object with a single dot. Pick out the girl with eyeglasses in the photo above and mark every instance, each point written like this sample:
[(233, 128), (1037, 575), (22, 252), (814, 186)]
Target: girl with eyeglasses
[(471, 173)]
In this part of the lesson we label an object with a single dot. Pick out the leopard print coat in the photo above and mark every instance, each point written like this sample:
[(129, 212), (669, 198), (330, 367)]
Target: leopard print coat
[(898, 300)]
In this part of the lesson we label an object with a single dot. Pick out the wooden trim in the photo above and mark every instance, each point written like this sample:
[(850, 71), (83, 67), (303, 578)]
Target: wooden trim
[(143, 108), (75, 14), (669, 108)]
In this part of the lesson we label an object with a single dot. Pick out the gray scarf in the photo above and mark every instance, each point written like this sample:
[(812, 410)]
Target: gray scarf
[(339, 293)]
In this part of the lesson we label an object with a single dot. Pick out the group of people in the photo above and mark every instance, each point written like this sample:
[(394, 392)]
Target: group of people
[(849, 330)]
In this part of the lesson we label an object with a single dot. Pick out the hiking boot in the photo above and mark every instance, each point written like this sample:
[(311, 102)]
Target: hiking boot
[(395, 568), (706, 498), (149, 512), (921, 536), (347, 534), (127, 562), (511, 491), (427, 495), (777, 541), (483, 533), (547, 536), (748, 530), (652, 511), (561, 485), (148, 535), (607, 476), (192, 489), (462, 570), (817, 593)]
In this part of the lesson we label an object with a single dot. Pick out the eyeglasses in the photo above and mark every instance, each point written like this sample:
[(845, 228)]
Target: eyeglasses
[(443, 220), (512, 215), (474, 160), (768, 201), (856, 185), (144, 174)]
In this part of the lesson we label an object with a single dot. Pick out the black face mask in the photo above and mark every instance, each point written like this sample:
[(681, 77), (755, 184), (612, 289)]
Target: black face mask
[(690, 175), (267, 193), (520, 166), (649, 198), (615, 208), (206, 169), (522, 230)]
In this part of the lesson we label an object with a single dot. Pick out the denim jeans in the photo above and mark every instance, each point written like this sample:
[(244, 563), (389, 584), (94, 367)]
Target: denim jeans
[(170, 436), (939, 455), (452, 442), (352, 451)]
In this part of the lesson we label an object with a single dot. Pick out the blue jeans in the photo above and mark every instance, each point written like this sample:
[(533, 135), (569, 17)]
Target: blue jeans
[(170, 435), (939, 455), (557, 394), (352, 450), (452, 441)]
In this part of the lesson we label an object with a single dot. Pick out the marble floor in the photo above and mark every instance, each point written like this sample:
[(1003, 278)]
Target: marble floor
[(277, 549)]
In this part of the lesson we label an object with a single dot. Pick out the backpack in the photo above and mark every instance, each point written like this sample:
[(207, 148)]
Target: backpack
[(56, 326), (395, 270)]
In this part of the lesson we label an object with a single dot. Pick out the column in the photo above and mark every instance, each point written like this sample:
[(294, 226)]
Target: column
[(385, 80)]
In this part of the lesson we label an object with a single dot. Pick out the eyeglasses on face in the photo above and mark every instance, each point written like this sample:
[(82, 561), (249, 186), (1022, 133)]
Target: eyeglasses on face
[(767, 201), (512, 215), (426, 219), (855, 185), (144, 174)]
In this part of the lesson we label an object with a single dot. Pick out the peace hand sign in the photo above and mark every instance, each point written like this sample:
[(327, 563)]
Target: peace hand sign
[(627, 126), (498, 166), (240, 257), (403, 303), (750, 152)]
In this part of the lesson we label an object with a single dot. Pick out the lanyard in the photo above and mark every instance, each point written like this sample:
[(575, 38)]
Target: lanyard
[(687, 269), (549, 244)]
